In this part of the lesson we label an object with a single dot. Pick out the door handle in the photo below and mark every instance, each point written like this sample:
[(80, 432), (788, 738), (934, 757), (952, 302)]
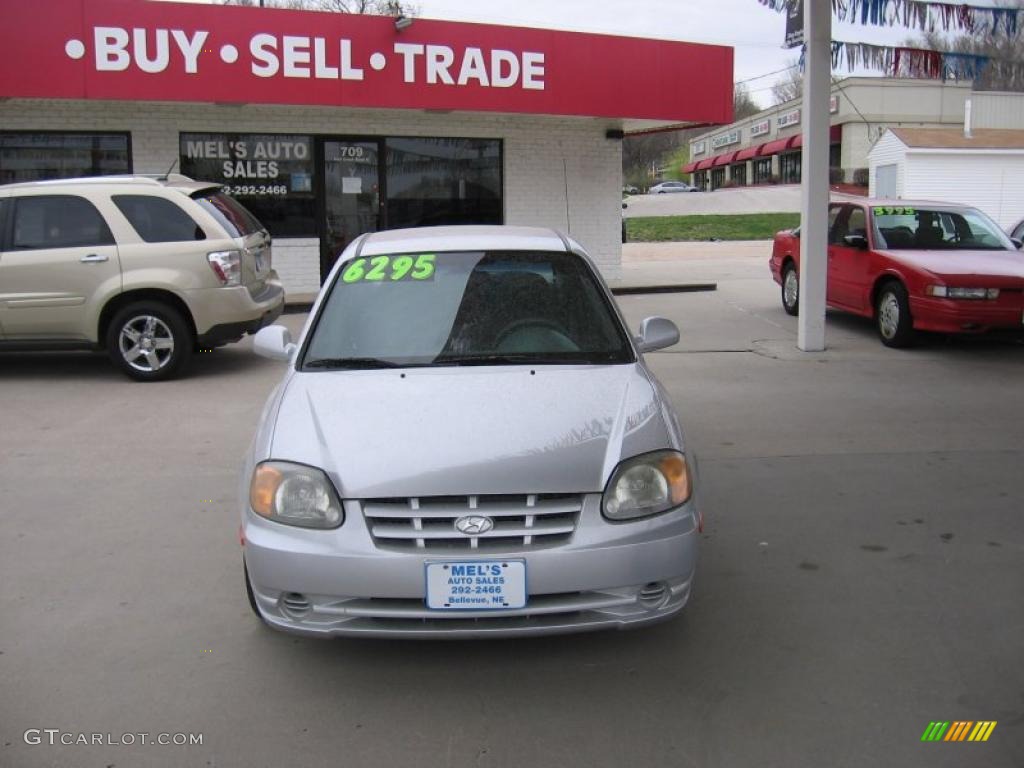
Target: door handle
[(94, 258)]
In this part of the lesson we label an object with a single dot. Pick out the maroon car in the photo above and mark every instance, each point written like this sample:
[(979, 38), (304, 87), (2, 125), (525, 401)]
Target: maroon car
[(912, 266)]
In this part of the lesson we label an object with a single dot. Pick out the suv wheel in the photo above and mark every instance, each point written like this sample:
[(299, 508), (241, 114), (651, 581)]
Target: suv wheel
[(149, 341)]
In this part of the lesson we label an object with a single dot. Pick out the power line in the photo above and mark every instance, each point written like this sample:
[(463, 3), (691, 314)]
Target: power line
[(767, 74)]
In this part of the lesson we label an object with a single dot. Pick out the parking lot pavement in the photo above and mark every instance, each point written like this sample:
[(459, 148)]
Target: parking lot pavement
[(774, 199), (861, 573)]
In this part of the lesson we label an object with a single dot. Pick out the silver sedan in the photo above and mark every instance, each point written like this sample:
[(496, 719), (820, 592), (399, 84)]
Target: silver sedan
[(467, 442)]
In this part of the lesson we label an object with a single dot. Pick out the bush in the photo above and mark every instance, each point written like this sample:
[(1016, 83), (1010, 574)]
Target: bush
[(836, 176), (775, 179), (860, 177)]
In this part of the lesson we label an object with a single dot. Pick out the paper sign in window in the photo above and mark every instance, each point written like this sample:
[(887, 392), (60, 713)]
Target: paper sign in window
[(351, 185)]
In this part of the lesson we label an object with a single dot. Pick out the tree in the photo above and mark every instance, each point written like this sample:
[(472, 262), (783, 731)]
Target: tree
[(1005, 69), (791, 85), (743, 104), (378, 7)]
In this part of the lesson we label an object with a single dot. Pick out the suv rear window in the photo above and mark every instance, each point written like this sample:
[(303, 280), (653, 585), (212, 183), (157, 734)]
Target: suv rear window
[(229, 213), (158, 220)]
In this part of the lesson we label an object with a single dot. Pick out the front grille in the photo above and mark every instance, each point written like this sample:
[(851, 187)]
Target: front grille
[(531, 521)]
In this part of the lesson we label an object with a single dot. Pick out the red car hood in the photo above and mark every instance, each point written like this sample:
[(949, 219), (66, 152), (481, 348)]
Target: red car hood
[(998, 268)]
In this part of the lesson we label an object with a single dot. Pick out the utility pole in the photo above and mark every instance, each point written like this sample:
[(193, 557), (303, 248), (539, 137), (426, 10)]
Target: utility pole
[(814, 188)]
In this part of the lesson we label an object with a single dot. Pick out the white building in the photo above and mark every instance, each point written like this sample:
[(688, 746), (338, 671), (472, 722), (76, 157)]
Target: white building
[(984, 169)]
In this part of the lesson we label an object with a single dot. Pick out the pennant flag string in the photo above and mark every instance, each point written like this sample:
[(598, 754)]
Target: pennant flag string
[(926, 15), (900, 61)]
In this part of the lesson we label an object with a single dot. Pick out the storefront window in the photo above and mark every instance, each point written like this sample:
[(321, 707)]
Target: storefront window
[(717, 177), (763, 171), (270, 174), (738, 174), (30, 156), (433, 181), (789, 168)]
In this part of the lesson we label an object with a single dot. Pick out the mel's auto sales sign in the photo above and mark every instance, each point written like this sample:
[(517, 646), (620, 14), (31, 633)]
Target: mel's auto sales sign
[(159, 51)]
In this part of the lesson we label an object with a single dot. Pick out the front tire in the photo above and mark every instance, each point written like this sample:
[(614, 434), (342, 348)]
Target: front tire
[(892, 316), (150, 341), (790, 290)]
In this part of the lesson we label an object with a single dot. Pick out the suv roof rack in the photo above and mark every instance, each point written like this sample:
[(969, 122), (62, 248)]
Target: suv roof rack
[(149, 179)]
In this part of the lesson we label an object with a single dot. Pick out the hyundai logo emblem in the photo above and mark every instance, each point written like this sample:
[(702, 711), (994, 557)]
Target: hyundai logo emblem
[(474, 525)]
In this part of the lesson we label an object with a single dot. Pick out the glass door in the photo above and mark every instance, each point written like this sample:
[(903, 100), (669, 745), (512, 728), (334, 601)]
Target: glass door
[(351, 196)]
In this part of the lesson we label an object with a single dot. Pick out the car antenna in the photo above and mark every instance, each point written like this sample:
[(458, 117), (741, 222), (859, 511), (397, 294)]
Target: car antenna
[(168, 171)]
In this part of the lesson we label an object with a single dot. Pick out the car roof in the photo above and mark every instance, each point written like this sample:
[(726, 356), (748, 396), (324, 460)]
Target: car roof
[(172, 181), (463, 238), (899, 203)]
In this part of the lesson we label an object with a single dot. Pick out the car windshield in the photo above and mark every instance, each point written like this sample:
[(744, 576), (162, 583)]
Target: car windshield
[(465, 308), (910, 228)]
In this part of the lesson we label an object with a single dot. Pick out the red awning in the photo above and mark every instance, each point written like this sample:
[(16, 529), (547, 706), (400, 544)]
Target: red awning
[(835, 135), (690, 167), (725, 159), (703, 165), (746, 154), (774, 147)]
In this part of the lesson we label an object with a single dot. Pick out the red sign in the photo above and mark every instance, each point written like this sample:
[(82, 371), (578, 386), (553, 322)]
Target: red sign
[(157, 51)]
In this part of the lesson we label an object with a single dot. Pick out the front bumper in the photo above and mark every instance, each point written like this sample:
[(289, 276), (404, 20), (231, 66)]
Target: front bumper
[(964, 316), (333, 583)]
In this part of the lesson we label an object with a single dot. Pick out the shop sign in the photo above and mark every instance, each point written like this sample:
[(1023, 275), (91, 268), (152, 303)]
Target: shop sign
[(250, 164), (761, 128), (733, 137), (135, 50), (833, 104), (699, 148), (789, 118)]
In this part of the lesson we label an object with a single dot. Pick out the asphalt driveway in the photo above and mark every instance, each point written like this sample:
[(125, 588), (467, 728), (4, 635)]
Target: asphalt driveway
[(861, 574)]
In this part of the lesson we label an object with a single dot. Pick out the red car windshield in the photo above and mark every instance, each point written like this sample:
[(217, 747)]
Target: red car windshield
[(963, 229)]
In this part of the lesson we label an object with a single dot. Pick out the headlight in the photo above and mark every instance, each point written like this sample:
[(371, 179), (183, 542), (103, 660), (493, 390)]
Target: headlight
[(646, 485), (294, 494), (946, 292)]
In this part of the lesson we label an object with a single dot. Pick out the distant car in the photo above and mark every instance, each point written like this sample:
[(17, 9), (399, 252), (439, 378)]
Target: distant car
[(912, 266), (671, 186), (467, 442), (629, 189)]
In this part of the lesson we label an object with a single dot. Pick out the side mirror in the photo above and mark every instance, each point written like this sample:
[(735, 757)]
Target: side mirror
[(1015, 240), (856, 241), (657, 333), (274, 342)]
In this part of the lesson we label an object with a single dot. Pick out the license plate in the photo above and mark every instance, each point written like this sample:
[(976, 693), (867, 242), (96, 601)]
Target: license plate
[(476, 585)]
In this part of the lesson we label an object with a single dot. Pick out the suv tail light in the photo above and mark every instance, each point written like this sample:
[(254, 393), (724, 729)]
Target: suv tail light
[(227, 265)]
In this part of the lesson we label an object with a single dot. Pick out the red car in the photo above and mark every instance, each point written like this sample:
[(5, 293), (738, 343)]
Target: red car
[(912, 266)]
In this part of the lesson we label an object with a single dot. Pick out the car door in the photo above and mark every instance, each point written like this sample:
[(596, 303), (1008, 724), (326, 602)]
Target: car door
[(848, 265), (58, 254)]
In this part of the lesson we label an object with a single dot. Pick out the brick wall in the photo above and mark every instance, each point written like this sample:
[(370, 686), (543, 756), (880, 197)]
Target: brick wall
[(544, 157)]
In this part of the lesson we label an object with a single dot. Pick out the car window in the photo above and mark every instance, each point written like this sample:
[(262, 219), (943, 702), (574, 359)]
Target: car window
[(467, 308), (857, 223), (158, 220), (910, 228), (57, 221), (229, 213), (833, 215)]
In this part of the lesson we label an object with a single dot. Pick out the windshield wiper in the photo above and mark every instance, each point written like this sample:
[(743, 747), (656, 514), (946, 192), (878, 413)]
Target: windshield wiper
[(513, 358), (351, 362)]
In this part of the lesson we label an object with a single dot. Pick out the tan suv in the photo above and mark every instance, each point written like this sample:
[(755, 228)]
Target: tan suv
[(148, 269)]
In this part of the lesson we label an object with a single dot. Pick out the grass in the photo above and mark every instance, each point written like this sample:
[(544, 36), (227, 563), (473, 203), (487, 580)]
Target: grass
[(746, 226)]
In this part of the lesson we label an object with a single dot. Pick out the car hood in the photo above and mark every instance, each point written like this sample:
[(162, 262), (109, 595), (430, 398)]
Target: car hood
[(466, 431), (1006, 266)]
